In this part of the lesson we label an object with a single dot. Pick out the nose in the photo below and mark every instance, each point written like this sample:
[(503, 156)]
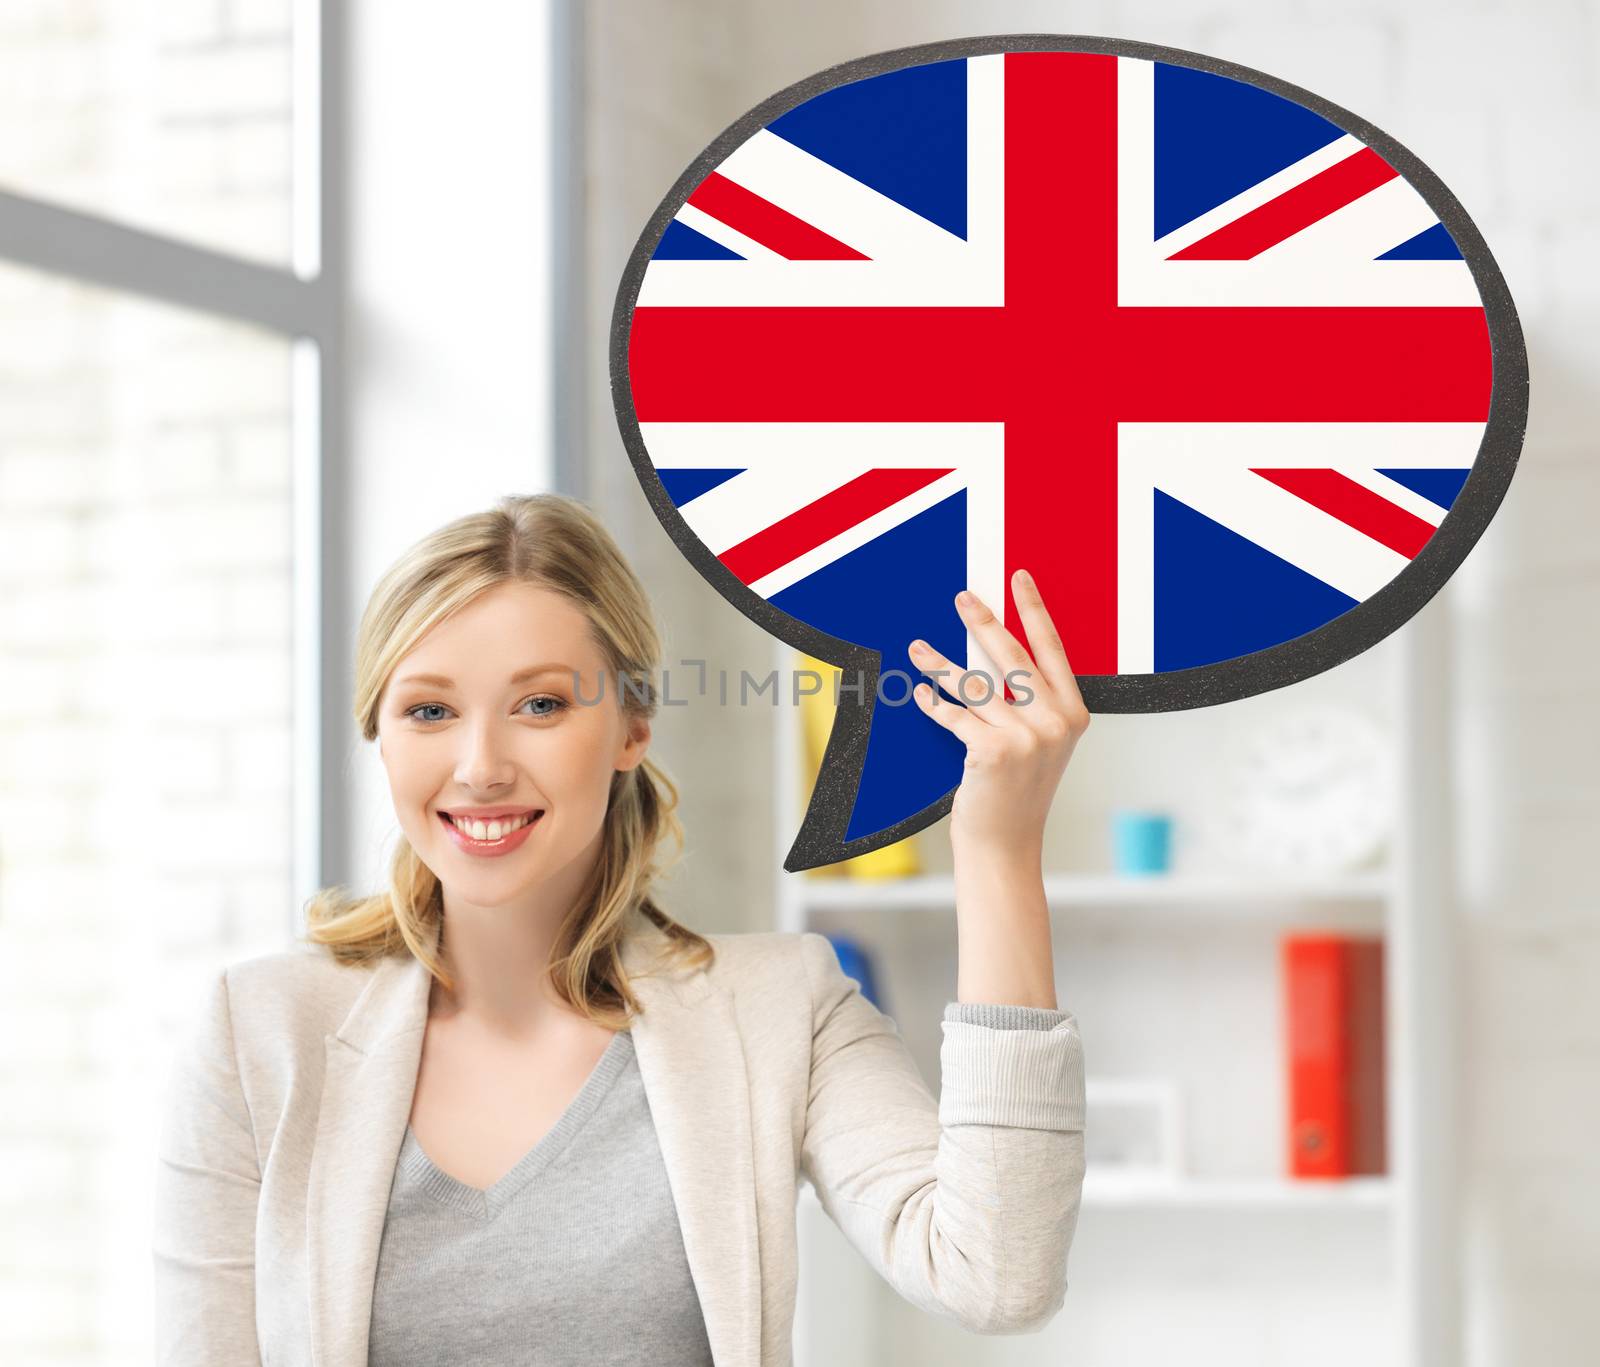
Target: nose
[(484, 761)]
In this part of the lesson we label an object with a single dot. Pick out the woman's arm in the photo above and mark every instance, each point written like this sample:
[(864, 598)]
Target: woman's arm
[(968, 1206), (1016, 754), (207, 1183)]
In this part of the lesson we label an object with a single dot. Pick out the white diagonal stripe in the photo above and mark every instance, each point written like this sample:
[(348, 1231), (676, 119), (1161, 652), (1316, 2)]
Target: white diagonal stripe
[(853, 538), (1394, 492), (1297, 173), (1361, 230), (789, 464), (720, 233), (920, 265), (1207, 466), (1289, 527), (839, 205), (1145, 278), (740, 507)]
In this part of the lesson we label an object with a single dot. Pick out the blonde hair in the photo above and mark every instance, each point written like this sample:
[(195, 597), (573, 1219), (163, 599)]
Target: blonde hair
[(557, 543)]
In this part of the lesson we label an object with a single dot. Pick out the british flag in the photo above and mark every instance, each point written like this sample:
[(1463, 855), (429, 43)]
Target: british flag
[(1201, 360)]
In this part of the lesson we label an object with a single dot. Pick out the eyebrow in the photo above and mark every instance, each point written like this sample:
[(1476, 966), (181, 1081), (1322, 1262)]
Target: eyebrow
[(521, 676)]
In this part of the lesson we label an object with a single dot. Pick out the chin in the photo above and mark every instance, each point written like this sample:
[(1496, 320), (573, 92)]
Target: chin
[(492, 894)]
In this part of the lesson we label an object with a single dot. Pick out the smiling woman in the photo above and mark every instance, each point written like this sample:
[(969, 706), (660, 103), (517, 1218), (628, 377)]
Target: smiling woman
[(471, 735), (508, 1109)]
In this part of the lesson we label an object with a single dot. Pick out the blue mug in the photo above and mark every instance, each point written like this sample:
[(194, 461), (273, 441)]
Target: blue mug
[(1141, 842)]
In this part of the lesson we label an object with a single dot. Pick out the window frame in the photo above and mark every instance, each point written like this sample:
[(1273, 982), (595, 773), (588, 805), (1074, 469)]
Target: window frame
[(305, 303)]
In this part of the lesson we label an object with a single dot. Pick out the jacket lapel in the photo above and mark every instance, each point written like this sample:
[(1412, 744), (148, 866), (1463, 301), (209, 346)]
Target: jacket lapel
[(691, 1059), (367, 1089)]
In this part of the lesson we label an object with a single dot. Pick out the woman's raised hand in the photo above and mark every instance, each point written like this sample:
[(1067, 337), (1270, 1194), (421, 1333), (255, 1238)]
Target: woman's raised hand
[(1016, 751)]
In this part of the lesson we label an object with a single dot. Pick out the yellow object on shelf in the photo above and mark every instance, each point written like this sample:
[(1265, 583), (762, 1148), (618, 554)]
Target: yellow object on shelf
[(899, 860)]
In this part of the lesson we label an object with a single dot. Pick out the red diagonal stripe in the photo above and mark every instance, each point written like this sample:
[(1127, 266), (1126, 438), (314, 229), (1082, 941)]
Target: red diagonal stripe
[(1060, 364), (823, 518), (1293, 210), (764, 222), (1356, 506)]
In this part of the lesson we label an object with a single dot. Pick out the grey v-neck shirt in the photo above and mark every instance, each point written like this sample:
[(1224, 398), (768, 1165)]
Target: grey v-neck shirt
[(574, 1257)]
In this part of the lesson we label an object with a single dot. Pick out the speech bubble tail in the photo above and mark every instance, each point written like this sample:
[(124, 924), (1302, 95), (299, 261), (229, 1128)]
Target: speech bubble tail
[(818, 842), (824, 837)]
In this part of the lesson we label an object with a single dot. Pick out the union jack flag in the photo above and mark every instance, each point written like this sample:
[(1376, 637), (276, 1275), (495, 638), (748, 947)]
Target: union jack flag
[(1198, 358)]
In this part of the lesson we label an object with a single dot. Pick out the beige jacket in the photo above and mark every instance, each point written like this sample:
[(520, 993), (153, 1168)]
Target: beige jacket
[(288, 1104)]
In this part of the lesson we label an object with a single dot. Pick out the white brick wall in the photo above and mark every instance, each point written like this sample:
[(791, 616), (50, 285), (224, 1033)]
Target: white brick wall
[(144, 635), (171, 114)]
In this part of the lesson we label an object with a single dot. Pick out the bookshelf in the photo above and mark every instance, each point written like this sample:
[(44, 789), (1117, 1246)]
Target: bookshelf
[(1176, 974), (1088, 891)]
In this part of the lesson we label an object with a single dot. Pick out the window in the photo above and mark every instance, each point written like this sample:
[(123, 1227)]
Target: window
[(178, 561), (169, 371), (170, 115), (145, 802)]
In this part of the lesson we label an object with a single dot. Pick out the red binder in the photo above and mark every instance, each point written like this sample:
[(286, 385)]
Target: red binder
[(1368, 1105), (1333, 1019)]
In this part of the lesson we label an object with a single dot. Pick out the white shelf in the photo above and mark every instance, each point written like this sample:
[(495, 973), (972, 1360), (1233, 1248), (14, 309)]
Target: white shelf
[(1095, 890), (1267, 1193)]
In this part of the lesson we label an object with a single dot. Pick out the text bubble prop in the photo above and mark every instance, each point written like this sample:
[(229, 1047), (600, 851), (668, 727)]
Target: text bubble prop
[(1228, 369)]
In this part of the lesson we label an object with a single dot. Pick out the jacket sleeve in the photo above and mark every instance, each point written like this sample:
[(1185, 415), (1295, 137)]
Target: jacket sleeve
[(967, 1205), (208, 1179)]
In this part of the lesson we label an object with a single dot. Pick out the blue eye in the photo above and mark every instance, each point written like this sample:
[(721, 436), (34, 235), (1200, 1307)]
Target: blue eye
[(560, 703), (546, 697)]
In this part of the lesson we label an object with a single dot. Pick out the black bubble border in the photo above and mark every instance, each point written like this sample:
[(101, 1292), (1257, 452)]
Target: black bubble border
[(820, 839)]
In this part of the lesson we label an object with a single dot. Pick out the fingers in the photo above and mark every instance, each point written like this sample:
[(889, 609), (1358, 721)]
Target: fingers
[(1002, 647), (1045, 640), (1010, 659), (982, 697), (1055, 695), (959, 721)]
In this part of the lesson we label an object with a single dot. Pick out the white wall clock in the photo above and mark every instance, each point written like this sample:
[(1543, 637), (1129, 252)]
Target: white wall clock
[(1311, 791)]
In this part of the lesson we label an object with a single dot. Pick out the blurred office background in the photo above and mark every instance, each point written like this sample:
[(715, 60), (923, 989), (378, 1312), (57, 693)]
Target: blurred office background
[(282, 290)]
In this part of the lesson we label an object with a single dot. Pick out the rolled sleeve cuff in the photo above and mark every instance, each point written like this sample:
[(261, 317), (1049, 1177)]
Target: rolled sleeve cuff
[(1010, 1065), (998, 1017)]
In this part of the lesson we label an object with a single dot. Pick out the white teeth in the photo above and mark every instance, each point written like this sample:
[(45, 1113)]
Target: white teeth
[(491, 830)]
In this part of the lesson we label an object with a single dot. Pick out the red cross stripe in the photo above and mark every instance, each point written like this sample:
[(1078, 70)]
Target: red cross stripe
[(1060, 363)]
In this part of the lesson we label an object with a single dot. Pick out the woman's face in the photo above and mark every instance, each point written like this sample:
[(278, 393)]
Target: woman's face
[(481, 722)]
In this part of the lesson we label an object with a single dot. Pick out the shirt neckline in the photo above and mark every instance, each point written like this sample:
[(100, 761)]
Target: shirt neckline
[(485, 1203)]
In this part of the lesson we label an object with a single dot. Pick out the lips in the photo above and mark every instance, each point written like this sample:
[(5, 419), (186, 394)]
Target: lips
[(505, 844)]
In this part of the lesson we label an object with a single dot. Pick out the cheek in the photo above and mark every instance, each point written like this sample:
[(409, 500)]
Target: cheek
[(577, 762), (409, 768)]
